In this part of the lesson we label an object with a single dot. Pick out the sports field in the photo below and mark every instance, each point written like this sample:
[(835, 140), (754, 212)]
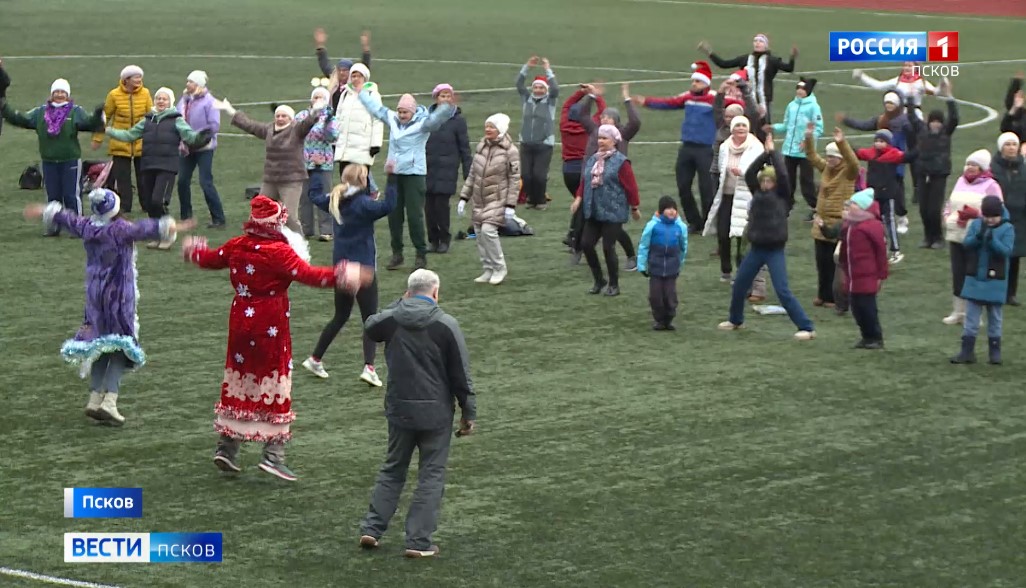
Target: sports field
[(607, 455)]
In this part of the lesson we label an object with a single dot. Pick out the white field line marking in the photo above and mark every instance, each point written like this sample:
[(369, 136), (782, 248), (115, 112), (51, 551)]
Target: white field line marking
[(51, 579), (991, 116), (744, 6), (475, 91)]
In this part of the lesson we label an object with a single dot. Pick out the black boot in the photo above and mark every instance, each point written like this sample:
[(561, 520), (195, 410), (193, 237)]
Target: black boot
[(395, 263), (600, 285), (432, 247), (443, 247), (995, 350), (420, 262), (968, 352)]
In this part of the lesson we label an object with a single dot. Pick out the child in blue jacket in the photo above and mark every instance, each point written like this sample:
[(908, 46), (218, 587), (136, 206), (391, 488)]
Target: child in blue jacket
[(353, 213), (661, 253), (988, 243)]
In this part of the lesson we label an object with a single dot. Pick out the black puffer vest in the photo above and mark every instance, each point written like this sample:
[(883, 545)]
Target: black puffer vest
[(160, 143)]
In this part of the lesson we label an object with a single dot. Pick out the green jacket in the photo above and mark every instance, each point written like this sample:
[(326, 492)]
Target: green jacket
[(188, 135), (63, 147)]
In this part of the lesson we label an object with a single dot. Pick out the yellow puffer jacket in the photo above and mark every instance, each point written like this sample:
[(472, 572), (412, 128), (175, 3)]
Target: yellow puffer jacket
[(124, 110)]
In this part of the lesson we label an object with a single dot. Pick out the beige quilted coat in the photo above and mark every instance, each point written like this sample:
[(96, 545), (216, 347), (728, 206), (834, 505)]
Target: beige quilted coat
[(494, 181)]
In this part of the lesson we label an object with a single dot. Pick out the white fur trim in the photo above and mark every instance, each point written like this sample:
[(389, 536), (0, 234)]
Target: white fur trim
[(701, 78), (298, 243), (49, 212), (757, 77), (135, 285), (168, 231)]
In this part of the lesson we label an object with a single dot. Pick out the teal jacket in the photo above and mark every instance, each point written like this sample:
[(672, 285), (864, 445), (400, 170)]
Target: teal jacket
[(663, 247), (63, 147), (800, 112), (407, 142), (988, 250), (188, 135)]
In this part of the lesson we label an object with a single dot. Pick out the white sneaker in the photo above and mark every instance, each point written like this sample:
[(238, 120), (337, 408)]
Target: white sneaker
[(484, 278), (805, 335), (726, 278), (729, 326), (370, 376), (895, 258), (902, 225), (109, 410), (92, 409), (497, 278), (315, 367), (954, 318)]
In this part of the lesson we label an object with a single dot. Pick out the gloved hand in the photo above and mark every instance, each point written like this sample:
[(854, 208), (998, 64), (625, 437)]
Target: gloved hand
[(646, 274), (100, 116), (510, 211), (461, 207), (374, 151), (225, 106), (967, 214), (274, 106)]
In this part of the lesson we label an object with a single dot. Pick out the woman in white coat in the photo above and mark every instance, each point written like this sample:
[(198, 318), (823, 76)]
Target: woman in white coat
[(729, 212), (360, 134)]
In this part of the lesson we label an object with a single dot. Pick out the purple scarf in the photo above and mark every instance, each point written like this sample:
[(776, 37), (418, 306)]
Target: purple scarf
[(55, 117)]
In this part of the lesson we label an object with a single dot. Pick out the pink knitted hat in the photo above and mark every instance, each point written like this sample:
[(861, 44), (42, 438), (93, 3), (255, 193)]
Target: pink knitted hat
[(408, 102), (439, 89)]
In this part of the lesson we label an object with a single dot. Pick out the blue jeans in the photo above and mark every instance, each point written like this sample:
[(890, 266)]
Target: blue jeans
[(973, 313), (776, 263), (186, 165), (62, 181)]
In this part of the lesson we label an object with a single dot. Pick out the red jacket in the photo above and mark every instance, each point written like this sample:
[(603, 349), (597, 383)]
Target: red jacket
[(864, 251), (573, 136)]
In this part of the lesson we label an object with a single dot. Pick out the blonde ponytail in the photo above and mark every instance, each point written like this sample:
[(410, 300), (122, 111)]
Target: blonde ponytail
[(337, 194), (353, 176)]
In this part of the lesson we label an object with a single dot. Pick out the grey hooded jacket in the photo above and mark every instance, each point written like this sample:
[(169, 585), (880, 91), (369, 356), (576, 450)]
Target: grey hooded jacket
[(428, 364)]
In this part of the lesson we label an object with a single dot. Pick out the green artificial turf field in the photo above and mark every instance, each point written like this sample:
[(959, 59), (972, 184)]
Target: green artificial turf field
[(608, 455)]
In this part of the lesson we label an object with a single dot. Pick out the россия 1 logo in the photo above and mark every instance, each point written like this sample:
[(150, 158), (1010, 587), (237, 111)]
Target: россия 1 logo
[(932, 47)]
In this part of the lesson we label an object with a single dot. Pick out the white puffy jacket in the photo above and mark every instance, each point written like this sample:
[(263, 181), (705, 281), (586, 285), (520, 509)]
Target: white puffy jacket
[(742, 195), (359, 131)]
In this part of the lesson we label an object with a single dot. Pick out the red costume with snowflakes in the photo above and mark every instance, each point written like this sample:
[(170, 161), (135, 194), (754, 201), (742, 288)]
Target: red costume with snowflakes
[(256, 394)]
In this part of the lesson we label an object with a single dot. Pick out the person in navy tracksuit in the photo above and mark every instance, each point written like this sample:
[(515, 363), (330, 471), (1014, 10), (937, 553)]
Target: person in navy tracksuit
[(661, 254), (353, 213), (697, 134)]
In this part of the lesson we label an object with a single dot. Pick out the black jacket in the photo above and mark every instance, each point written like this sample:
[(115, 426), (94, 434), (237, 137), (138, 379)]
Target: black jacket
[(768, 211), (1014, 123), (774, 65), (160, 143), (934, 149), (5, 82), (447, 149), (428, 365)]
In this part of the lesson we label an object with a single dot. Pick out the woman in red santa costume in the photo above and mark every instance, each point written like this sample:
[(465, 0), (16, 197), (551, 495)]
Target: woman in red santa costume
[(256, 394)]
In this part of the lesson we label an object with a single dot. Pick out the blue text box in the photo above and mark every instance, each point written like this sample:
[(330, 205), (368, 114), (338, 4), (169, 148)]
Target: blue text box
[(103, 503), (185, 547), (861, 46)]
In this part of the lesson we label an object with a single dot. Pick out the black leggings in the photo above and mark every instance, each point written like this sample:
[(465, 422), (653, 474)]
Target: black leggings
[(608, 232), (1013, 277), (367, 300), (577, 230), (825, 268)]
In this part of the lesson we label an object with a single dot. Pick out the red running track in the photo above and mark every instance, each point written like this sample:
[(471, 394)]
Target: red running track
[(999, 8)]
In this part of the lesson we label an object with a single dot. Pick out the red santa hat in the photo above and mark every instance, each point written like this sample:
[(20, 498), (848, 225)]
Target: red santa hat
[(703, 73), (739, 75), (265, 211), (540, 81)]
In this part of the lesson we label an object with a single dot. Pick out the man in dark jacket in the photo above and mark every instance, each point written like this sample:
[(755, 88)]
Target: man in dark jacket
[(428, 373), (771, 204), (934, 142)]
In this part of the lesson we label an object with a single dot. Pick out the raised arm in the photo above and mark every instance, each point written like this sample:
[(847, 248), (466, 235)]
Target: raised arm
[(851, 163), (581, 113), (374, 106), (718, 108), (86, 122), (372, 210), (550, 76), (150, 229), (1014, 86), (54, 217), (304, 127), (633, 122), (868, 80), (868, 124), (192, 137), (436, 119), (243, 122), (196, 251), (522, 82), (379, 327), (752, 173), (572, 106), (294, 268), (671, 103), (813, 157), (788, 65), (27, 120), (127, 135), (725, 63), (952, 122)]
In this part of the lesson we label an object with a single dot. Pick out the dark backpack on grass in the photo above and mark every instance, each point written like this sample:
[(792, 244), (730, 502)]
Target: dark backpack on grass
[(31, 178)]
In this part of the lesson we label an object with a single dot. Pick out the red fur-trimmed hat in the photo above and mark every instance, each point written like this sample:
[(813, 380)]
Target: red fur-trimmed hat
[(541, 80), (263, 210), (703, 73), (741, 74)]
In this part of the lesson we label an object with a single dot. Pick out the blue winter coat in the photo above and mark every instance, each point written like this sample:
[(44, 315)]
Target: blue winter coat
[(407, 142), (990, 248), (663, 247), (800, 112), (354, 236)]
